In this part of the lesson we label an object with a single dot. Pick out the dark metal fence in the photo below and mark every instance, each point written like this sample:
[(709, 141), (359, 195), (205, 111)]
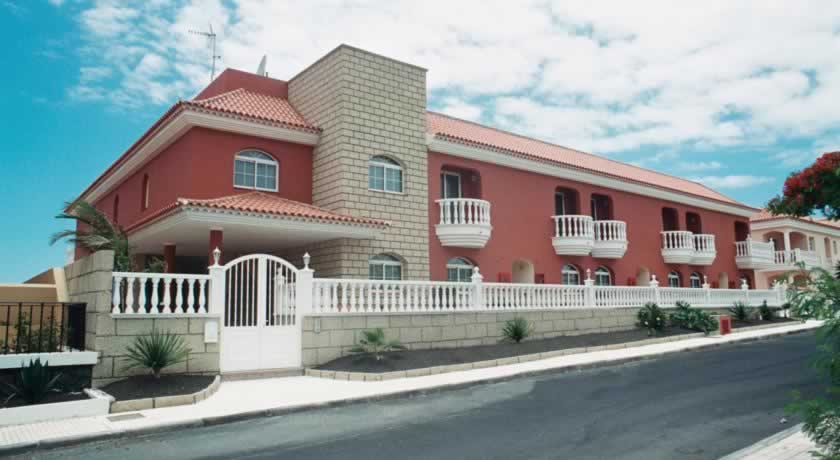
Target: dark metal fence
[(41, 327)]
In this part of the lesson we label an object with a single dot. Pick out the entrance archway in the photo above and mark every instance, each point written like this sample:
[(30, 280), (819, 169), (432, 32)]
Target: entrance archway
[(522, 271)]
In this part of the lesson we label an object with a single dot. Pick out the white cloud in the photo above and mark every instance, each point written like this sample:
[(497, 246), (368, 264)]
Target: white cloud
[(461, 109), (734, 181), (698, 166), (56, 2)]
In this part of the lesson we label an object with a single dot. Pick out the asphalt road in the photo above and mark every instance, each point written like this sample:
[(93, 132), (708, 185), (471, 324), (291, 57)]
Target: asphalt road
[(694, 405)]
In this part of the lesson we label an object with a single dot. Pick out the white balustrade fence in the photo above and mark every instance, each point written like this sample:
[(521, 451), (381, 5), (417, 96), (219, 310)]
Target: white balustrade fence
[(753, 248), (160, 293), (610, 230), (464, 211), (510, 296), (677, 240), (795, 256), (572, 226), (623, 296), (704, 243), (368, 296)]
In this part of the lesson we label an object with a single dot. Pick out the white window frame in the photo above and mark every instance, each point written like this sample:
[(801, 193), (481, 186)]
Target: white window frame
[(569, 270), (674, 276), (695, 277), (464, 269), (444, 188), (384, 260), (378, 162), (257, 161), (601, 272)]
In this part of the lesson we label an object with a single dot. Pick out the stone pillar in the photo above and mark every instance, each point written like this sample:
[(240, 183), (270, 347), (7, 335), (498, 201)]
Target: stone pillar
[(478, 290), (216, 241), (787, 240), (169, 257)]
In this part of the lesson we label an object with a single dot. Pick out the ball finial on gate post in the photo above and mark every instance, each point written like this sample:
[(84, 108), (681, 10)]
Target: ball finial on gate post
[(306, 258), (217, 254)]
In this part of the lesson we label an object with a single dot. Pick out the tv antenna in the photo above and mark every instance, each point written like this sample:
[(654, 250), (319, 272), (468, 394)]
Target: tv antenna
[(211, 42)]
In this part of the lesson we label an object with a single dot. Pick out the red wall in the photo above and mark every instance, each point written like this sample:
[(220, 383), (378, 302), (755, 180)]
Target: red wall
[(521, 205), (199, 165)]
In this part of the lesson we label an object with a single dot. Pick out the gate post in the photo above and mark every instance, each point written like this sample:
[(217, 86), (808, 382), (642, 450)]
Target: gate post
[(478, 290), (304, 288), (706, 291), (216, 306), (589, 290)]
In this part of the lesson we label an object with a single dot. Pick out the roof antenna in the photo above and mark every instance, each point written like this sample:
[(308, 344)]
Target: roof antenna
[(211, 42), (261, 68)]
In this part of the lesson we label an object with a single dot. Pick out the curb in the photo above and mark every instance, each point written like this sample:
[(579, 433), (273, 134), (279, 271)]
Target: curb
[(766, 442), (132, 405), (273, 412)]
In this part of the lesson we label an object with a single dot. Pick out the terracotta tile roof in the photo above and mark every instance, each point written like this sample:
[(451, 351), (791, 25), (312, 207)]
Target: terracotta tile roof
[(255, 105), (262, 203), (466, 132), (765, 215)]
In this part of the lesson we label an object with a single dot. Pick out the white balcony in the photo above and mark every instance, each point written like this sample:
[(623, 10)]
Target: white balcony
[(789, 259), (573, 235), (464, 222), (754, 255), (677, 247), (704, 250), (610, 239)]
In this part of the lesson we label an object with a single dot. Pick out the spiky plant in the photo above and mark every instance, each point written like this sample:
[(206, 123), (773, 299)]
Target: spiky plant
[(373, 341), (96, 233), (156, 351), (741, 311), (652, 318), (33, 383), (517, 329)]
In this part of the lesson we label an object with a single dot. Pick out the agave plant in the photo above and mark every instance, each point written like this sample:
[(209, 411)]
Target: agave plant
[(373, 341), (741, 311), (517, 329), (652, 318), (34, 382), (96, 233), (156, 351)]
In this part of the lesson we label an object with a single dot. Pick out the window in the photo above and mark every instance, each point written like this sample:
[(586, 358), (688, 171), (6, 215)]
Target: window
[(384, 175), (559, 204), (116, 213), (603, 277), (384, 267), (674, 279), (694, 279), (255, 170), (450, 185), (459, 269), (144, 197), (812, 244), (571, 275)]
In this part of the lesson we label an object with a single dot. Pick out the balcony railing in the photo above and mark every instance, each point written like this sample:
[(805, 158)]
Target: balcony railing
[(610, 239), (464, 222), (795, 256), (754, 255), (573, 235), (684, 247)]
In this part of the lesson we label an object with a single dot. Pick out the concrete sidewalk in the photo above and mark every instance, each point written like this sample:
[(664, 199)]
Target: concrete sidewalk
[(791, 444), (251, 398)]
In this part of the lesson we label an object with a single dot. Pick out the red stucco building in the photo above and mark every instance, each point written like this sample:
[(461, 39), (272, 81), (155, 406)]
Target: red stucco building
[(344, 161)]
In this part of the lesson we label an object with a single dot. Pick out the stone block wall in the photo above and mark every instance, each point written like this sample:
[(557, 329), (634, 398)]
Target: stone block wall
[(337, 334), (367, 105), (89, 280)]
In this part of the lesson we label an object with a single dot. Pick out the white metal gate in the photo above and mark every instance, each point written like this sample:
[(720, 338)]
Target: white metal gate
[(260, 328)]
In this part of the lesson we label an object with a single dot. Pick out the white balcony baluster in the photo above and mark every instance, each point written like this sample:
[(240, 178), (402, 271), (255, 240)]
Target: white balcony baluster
[(464, 222), (610, 239), (573, 235)]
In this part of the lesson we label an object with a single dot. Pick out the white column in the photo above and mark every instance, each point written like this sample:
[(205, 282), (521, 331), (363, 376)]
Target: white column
[(304, 289), (707, 289), (478, 290), (787, 240), (216, 304), (654, 283), (589, 286)]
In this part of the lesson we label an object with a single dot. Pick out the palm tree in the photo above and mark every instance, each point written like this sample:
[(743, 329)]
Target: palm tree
[(97, 233)]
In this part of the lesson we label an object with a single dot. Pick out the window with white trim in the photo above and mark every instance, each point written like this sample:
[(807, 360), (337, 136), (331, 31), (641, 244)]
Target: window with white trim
[(695, 280), (459, 269), (674, 279), (571, 275), (385, 175), (255, 170), (603, 277), (384, 267), (812, 244)]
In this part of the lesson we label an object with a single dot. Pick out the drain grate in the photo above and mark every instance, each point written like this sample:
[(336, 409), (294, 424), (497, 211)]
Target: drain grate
[(124, 417)]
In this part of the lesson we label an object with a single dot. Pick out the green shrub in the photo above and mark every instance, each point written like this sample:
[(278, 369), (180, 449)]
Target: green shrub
[(517, 329), (374, 342), (652, 318), (687, 317), (741, 311), (156, 351), (33, 383), (766, 313)]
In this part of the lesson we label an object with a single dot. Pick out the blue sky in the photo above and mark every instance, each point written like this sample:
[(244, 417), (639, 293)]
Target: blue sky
[(732, 95)]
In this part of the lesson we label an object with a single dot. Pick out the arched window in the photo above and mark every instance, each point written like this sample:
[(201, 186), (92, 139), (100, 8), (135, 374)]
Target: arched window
[(695, 280), (384, 267), (116, 212), (255, 170), (603, 277), (144, 193), (459, 269), (571, 275), (674, 279), (385, 175)]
